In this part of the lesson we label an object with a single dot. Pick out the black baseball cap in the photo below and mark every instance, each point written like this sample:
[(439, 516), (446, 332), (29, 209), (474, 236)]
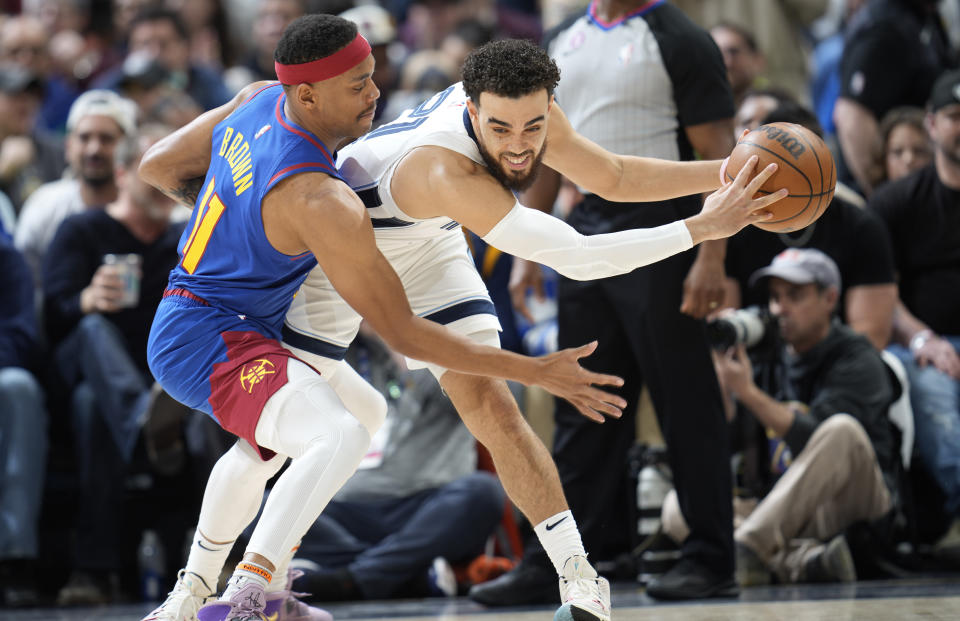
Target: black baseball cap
[(946, 90)]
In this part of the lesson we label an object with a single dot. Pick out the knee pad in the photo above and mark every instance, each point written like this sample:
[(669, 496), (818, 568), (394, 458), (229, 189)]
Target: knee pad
[(306, 412)]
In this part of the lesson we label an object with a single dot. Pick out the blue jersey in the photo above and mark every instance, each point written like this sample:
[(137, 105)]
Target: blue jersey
[(214, 344), (226, 258)]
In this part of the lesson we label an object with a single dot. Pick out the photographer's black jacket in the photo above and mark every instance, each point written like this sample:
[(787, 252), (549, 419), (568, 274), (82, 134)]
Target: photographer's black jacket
[(842, 374)]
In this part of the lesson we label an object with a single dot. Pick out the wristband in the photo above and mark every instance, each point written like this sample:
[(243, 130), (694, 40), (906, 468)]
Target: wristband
[(920, 339), (723, 171)]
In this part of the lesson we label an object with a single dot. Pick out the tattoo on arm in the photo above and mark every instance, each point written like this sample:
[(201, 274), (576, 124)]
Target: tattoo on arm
[(187, 193)]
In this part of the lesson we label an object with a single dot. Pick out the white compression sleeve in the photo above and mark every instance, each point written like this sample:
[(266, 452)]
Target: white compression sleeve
[(535, 236)]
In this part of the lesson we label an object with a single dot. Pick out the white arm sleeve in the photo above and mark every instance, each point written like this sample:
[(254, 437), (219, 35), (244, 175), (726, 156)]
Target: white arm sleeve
[(535, 236)]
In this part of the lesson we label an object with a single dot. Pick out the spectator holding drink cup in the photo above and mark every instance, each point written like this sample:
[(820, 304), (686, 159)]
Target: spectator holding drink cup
[(103, 278)]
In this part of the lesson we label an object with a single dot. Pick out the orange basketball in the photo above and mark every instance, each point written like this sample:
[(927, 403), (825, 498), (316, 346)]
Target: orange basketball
[(806, 169)]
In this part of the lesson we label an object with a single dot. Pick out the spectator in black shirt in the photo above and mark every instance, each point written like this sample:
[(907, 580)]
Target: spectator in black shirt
[(893, 51), (922, 213)]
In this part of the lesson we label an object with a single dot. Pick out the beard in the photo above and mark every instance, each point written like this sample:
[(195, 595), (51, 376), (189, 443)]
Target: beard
[(97, 180), (950, 150), (511, 181), (96, 171)]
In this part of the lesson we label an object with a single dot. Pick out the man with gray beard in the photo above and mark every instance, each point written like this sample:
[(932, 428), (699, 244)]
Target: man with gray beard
[(98, 120)]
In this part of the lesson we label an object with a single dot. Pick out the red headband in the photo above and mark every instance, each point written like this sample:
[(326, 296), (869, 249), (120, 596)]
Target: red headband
[(325, 68)]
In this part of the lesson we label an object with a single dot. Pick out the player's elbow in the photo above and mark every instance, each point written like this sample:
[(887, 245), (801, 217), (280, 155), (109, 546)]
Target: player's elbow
[(149, 169)]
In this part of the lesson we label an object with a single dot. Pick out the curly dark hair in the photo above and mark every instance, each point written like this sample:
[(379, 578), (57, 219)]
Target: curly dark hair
[(312, 37), (509, 68)]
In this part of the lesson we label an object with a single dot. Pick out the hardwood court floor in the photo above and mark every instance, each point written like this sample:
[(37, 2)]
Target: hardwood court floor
[(927, 600)]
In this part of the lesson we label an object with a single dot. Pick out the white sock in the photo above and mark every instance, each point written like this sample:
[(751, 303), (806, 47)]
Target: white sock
[(560, 538), (245, 573), (207, 558), (279, 582)]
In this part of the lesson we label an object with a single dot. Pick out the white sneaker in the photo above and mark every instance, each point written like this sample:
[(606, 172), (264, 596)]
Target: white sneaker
[(183, 602), (585, 595)]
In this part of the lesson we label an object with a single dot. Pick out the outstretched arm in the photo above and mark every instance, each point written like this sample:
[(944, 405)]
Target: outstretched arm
[(467, 193), (177, 164), (622, 178), (327, 218)]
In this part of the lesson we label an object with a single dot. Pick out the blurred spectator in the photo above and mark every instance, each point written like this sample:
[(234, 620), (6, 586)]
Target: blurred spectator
[(423, 73), (124, 12), (663, 63), (825, 81), (853, 237), (206, 21), (272, 17), (920, 211), (893, 52), (428, 22), (467, 36), (28, 156), (376, 25), (741, 56), (825, 392), (99, 120), (904, 142), (145, 81), (416, 497), (23, 41), (8, 217), (756, 105), (59, 15), (779, 26), (23, 428), (161, 34), (88, 310)]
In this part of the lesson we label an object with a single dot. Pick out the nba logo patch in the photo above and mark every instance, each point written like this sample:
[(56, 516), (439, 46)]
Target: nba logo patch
[(625, 54)]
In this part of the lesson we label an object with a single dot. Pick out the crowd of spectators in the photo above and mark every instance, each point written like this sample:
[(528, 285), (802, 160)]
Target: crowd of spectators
[(87, 436)]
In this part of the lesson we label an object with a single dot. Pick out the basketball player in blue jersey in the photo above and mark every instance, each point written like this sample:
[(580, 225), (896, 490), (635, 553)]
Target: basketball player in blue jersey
[(268, 206)]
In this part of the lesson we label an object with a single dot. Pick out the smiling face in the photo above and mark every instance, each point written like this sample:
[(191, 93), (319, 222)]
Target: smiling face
[(512, 135)]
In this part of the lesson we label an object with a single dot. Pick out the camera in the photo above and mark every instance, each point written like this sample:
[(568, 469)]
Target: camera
[(751, 327)]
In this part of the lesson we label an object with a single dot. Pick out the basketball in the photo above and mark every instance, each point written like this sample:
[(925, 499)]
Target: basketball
[(806, 170)]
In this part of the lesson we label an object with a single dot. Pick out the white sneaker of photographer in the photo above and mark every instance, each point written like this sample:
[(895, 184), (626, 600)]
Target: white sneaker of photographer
[(585, 595)]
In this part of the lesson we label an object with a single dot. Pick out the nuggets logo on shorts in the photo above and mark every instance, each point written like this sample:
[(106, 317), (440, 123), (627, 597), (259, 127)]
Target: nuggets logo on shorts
[(251, 375)]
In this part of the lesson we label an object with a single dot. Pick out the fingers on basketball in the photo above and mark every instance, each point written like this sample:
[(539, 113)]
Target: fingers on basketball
[(805, 168)]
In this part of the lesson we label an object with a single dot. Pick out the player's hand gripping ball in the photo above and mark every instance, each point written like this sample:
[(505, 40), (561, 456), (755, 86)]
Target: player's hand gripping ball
[(805, 168)]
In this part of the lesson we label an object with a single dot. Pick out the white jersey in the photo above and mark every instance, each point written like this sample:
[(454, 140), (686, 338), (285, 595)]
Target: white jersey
[(430, 255), (368, 164)]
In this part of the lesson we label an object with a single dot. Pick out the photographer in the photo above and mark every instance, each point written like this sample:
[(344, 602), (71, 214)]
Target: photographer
[(825, 393)]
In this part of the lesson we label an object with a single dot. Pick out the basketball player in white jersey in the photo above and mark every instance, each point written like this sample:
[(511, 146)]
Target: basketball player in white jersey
[(454, 160)]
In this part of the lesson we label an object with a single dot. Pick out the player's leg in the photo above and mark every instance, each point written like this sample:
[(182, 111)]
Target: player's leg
[(306, 420), (231, 499), (530, 478)]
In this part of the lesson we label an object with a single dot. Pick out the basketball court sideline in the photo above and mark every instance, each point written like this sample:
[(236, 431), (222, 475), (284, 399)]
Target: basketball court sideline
[(894, 600)]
